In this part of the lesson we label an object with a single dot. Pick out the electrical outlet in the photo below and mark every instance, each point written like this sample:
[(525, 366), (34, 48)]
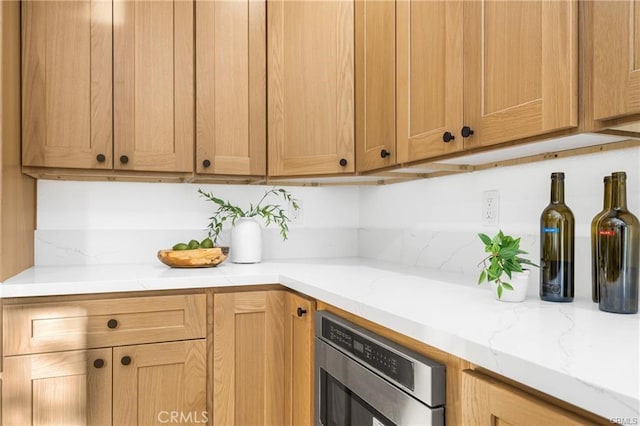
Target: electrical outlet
[(490, 208), (295, 215)]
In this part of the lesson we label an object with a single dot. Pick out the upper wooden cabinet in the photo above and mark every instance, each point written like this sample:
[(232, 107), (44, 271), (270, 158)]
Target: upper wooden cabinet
[(375, 68), (616, 58), (93, 66), (153, 85), (520, 69), (231, 92), (67, 83), (310, 87), (429, 82)]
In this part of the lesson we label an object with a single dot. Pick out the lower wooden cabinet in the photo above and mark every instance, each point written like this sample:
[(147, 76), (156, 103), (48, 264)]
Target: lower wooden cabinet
[(262, 359), (487, 401), (150, 384)]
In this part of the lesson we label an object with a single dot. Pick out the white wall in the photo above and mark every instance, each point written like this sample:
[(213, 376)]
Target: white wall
[(434, 222), (122, 222)]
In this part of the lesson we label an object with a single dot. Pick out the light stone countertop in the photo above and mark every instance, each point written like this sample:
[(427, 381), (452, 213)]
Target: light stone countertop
[(571, 351)]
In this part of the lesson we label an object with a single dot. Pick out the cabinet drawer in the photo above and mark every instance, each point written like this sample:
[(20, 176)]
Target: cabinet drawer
[(47, 327)]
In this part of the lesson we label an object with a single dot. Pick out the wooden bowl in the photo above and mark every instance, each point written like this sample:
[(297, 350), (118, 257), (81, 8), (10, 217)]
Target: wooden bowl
[(195, 258)]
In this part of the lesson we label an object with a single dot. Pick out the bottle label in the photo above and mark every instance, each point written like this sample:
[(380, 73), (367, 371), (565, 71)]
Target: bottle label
[(551, 230), (608, 232)]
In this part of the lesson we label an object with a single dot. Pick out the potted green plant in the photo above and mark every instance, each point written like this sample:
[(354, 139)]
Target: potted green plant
[(246, 232), (504, 267)]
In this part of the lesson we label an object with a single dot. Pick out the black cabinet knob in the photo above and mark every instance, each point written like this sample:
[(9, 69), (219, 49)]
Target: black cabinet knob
[(466, 131), (101, 158), (343, 162), (384, 153), (206, 163), (124, 159), (301, 311), (98, 363), (126, 360), (112, 323), (447, 137)]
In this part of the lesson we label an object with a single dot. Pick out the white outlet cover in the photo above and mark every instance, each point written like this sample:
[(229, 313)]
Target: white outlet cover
[(491, 208)]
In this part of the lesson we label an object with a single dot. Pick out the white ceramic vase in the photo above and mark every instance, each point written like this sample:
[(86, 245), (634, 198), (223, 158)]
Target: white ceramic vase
[(519, 281), (246, 241)]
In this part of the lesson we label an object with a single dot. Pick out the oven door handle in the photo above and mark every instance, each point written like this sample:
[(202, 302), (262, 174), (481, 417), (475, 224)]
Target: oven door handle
[(389, 400)]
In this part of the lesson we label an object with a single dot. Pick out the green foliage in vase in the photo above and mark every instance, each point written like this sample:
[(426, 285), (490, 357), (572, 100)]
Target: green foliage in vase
[(270, 213), (504, 258)]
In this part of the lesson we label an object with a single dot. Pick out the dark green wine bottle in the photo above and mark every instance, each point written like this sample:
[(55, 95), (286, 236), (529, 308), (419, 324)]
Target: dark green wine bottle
[(557, 230), (619, 252), (595, 256)]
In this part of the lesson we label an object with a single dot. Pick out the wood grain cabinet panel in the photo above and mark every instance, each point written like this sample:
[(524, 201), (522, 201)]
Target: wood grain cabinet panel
[(67, 83), (231, 94), (429, 80), (520, 69), (44, 327), (615, 35), (248, 358), (486, 401), (310, 87), (153, 85), (375, 68), (298, 360), (152, 382), (60, 388)]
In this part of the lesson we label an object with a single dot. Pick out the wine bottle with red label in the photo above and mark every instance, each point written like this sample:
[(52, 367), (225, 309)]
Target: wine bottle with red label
[(595, 254), (618, 253), (557, 230)]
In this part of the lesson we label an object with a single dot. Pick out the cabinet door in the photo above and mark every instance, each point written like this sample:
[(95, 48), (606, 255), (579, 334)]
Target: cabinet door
[(375, 50), (154, 85), (61, 388), (520, 69), (248, 358), (152, 382), (310, 87), (298, 360), (616, 58), (231, 97), (429, 81), (486, 401), (67, 83)]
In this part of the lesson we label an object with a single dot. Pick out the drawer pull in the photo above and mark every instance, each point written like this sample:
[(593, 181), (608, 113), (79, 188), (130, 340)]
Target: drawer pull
[(301, 311), (98, 363), (112, 323), (126, 360)]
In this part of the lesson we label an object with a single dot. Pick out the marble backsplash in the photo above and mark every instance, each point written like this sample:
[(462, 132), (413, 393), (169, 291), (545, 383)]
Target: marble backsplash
[(113, 246), (460, 252)]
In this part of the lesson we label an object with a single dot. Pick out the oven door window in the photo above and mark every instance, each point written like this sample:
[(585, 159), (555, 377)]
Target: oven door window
[(339, 406)]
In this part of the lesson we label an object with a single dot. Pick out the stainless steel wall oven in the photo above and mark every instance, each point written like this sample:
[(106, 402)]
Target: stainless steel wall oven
[(364, 379)]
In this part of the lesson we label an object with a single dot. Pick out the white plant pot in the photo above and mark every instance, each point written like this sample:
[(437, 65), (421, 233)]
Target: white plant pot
[(519, 281), (246, 241)]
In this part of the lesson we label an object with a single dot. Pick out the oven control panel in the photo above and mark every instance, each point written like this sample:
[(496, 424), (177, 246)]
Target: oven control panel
[(391, 364)]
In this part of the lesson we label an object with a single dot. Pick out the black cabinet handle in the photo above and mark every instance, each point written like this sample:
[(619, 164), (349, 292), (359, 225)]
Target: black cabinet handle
[(447, 137), (124, 159), (343, 162), (384, 153), (101, 158), (126, 360), (98, 363), (466, 131), (206, 163), (112, 323), (301, 311)]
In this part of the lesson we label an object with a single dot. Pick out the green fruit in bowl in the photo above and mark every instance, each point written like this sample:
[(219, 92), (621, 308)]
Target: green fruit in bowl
[(194, 244), (206, 243), (181, 246)]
